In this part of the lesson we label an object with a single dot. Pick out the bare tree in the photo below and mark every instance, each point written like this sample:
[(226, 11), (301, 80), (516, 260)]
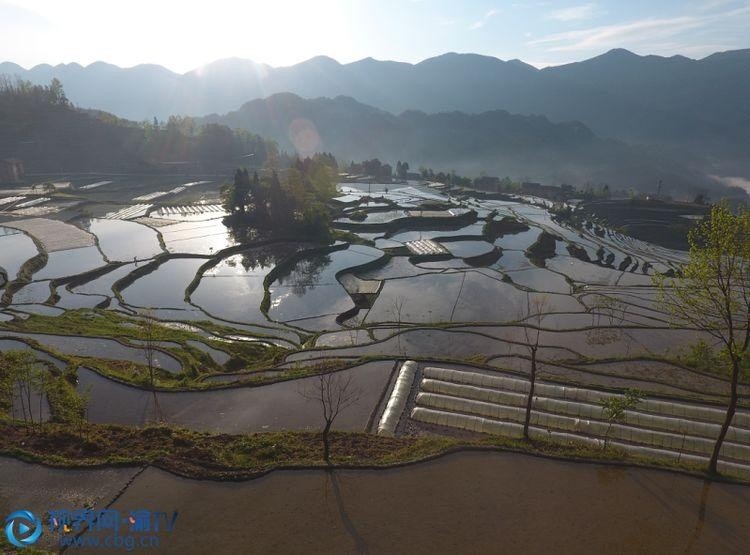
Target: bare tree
[(335, 393), (149, 334), (22, 377), (79, 405), (614, 313), (398, 312), (534, 313), (354, 327), (148, 339)]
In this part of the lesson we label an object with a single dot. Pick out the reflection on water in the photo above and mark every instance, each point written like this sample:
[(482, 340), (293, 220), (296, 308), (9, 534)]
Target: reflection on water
[(305, 274), (165, 286), (701, 520), (234, 288), (71, 262), (332, 477), (463, 503), (123, 240), (16, 248), (310, 287), (608, 475)]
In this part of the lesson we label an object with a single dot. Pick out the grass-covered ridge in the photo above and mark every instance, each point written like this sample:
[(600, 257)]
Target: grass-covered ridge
[(235, 457)]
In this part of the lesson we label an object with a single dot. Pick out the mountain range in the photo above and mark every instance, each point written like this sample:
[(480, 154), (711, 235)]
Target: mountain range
[(618, 94), (495, 142), (691, 111)]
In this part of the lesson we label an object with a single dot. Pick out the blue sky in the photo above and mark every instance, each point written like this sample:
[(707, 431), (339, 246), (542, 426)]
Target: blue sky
[(187, 34)]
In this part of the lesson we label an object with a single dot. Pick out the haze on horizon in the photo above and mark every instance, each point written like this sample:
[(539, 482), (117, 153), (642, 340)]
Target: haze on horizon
[(185, 35)]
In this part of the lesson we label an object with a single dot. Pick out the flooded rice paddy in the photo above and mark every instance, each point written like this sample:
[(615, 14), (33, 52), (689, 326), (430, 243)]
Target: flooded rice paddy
[(280, 406), (307, 304)]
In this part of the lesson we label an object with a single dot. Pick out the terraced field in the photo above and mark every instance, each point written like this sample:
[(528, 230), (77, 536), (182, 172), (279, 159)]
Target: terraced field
[(448, 286)]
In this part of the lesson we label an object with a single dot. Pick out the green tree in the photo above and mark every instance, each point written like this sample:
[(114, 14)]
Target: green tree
[(260, 199), (236, 196), (614, 409), (22, 379), (281, 207), (712, 293), (57, 94)]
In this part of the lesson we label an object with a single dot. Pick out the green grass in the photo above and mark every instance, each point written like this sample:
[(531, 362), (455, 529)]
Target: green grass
[(96, 323), (230, 457), (6, 547), (244, 355)]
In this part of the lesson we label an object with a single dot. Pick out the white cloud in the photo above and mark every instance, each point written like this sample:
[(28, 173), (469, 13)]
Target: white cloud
[(639, 32), (482, 22), (709, 5), (612, 35), (574, 13)]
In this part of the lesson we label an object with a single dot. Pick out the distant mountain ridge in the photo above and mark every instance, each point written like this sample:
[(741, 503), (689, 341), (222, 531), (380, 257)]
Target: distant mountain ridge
[(619, 94), (495, 142), (690, 110)]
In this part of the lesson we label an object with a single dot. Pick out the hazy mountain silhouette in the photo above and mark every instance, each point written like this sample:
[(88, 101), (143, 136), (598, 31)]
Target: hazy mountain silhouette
[(692, 110), (677, 100), (715, 88), (495, 142)]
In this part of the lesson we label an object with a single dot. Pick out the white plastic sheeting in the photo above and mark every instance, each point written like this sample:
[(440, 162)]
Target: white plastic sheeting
[(398, 398), (595, 428), (33, 202), (496, 404), (670, 408), (475, 378), (425, 247), (94, 185), (474, 392), (644, 420), (511, 429), (130, 212), (189, 210), (584, 410)]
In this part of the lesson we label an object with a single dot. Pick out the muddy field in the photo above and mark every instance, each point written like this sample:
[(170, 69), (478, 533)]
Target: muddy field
[(468, 502)]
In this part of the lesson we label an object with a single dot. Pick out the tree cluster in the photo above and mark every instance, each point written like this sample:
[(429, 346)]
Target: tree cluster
[(23, 383), (291, 201), (374, 168), (31, 94), (402, 168), (41, 127), (181, 139), (446, 178)]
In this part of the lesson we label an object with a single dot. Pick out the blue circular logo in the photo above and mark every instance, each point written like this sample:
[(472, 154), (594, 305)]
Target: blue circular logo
[(22, 528)]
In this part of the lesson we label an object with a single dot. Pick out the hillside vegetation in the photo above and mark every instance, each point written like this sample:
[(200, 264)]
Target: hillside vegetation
[(498, 143), (41, 127), (677, 101)]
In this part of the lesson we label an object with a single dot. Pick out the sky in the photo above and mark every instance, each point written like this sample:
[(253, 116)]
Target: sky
[(187, 34)]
